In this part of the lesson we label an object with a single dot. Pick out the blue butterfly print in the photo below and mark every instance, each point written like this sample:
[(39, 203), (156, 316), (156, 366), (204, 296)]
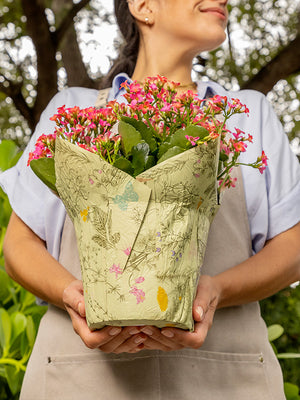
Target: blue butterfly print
[(128, 195)]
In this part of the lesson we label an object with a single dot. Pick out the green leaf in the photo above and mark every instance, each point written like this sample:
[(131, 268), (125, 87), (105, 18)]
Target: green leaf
[(30, 331), (5, 283), (25, 348), (163, 148), (2, 372), (179, 137), (150, 162), (291, 391), (196, 131), (8, 150), (274, 332), (223, 156), (139, 157), (27, 299), (19, 323), (123, 164), (173, 151), (5, 329), (5, 209), (145, 132), (44, 168), (15, 159), (14, 378), (130, 137)]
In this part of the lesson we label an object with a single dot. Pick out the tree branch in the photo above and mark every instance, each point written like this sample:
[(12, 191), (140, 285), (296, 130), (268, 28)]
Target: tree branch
[(68, 20), (14, 91), (286, 63)]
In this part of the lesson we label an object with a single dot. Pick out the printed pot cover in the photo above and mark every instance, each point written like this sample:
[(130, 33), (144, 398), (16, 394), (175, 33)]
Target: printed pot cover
[(141, 240)]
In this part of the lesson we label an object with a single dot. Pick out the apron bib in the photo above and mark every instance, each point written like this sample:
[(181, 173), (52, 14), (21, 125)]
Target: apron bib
[(236, 361)]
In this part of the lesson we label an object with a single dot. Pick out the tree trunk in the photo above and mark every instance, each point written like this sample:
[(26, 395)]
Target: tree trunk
[(71, 56), (39, 31)]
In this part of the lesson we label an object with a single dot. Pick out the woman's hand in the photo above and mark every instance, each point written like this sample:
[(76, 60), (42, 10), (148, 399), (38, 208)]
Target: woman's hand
[(110, 339), (204, 308)]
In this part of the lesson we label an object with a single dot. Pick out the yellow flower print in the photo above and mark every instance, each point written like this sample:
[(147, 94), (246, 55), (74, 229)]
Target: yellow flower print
[(200, 202), (162, 298), (84, 214)]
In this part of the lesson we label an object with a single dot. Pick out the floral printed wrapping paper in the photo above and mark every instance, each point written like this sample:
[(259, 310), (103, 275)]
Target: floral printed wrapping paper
[(141, 240)]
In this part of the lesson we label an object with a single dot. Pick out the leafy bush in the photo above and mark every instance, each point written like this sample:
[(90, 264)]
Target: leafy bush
[(19, 314), (284, 308)]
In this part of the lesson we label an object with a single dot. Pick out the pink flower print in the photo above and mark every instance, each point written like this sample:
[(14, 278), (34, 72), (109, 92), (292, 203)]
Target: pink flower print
[(127, 251), (116, 269), (91, 181), (140, 279), (138, 293)]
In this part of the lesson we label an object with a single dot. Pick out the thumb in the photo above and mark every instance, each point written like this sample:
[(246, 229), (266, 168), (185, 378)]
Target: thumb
[(73, 297), (198, 313), (202, 299)]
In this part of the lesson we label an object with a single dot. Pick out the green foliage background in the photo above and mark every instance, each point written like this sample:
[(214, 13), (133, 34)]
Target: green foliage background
[(19, 314)]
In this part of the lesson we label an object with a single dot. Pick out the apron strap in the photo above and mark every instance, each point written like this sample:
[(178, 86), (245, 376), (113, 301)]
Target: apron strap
[(102, 98)]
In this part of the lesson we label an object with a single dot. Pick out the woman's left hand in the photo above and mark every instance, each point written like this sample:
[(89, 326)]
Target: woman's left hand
[(169, 339)]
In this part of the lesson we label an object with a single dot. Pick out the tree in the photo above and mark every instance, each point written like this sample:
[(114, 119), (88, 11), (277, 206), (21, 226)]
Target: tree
[(262, 53)]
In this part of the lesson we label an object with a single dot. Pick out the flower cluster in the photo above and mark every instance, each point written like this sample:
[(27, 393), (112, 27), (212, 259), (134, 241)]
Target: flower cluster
[(89, 128), (155, 123)]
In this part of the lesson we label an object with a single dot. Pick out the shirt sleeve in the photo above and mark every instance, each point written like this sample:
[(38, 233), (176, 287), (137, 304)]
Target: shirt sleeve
[(272, 198), (282, 176), (30, 199)]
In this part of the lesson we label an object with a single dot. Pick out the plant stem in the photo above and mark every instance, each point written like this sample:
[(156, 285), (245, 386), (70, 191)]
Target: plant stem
[(15, 363)]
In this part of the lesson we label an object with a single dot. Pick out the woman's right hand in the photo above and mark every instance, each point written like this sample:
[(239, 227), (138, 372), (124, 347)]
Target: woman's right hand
[(110, 339)]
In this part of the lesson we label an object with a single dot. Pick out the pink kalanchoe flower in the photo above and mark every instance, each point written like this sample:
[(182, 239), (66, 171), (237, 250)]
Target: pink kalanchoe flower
[(192, 139), (264, 162), (239, 146)]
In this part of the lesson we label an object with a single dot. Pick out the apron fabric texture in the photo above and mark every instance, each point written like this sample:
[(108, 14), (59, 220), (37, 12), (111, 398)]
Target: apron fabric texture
[(236, 361)]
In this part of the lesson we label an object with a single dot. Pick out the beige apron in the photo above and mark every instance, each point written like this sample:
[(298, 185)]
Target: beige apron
[(236, 361)]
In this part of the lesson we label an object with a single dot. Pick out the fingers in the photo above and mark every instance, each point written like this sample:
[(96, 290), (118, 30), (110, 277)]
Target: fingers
[(133, 339), (91, 339), (204, 308), (157, 341), (130, 340)]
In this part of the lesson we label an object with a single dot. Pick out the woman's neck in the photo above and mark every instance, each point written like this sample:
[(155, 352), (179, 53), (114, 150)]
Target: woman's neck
[(171, 64)]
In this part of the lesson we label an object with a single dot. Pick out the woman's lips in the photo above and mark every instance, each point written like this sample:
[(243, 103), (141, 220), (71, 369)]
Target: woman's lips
[(215, 11)]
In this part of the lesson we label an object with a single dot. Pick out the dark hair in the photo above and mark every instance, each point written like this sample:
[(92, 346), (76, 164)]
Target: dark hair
[(129, 51)]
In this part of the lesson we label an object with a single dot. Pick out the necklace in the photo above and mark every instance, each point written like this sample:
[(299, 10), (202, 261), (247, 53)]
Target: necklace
[(191, 85)]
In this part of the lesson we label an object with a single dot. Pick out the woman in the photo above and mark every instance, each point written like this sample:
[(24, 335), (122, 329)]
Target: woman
[(229, 358)]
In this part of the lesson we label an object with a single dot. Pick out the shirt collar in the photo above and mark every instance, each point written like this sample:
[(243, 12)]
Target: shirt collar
[(205, 89)]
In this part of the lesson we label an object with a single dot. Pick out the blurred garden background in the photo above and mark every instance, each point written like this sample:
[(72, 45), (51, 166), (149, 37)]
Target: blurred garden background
[(47, 45)]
